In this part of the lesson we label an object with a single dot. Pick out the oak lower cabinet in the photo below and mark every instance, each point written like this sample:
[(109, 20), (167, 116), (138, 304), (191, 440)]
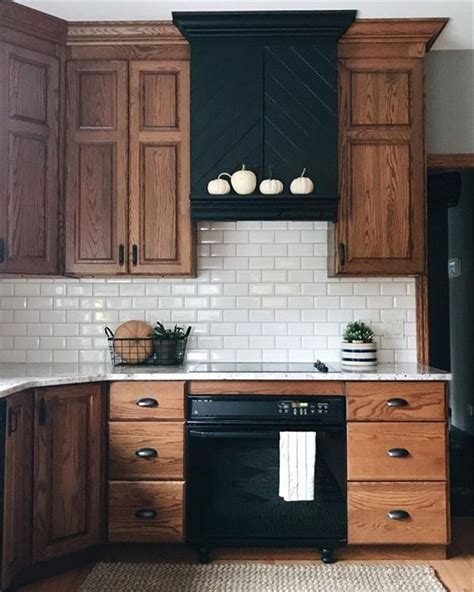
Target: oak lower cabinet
[(381, 220), (397, 463), (18, 486), (127, 180), (69, 470), (31, 50), (146, 462)]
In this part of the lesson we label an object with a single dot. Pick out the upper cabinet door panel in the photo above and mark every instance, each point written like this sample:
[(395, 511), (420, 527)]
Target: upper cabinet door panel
[(159, 96), (380, 201), (380, 98), (97, 98), (29, 114), (381, 223), (96, 179), (161, 238)]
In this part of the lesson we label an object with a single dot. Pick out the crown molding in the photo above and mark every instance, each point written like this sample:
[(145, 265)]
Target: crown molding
[(263, 24), (124, 32), (410, 30), (25, 20)]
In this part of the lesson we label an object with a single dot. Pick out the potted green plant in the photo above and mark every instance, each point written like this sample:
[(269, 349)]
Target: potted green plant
[(358, 347), (169, 345)]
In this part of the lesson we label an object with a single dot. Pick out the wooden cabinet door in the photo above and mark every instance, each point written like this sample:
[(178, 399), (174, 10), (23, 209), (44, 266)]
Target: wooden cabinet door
[(68, 469), (18, 486), (29, 121), (161, 237), (97, 161), (381, 226)]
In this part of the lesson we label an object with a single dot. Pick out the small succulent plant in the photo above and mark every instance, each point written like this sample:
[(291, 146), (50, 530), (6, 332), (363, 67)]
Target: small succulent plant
[(177, 333), (358, 332)]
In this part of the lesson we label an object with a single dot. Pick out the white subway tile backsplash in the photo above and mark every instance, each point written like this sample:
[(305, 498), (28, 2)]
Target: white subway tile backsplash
[(261, 293)]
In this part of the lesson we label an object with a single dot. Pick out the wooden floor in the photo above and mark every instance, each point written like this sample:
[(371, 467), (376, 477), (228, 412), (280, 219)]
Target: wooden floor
[(456, 573)]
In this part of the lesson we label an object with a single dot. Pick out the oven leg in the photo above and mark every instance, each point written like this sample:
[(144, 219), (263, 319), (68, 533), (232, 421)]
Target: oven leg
[(204, 555), (327, 555)]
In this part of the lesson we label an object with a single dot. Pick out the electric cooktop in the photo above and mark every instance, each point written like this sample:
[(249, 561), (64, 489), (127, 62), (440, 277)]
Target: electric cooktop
[(330, 368)]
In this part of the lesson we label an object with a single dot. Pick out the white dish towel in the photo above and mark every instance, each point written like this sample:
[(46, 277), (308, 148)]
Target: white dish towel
[(297, 464)]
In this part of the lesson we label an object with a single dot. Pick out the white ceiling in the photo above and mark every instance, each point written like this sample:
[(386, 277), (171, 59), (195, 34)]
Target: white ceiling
[(459, 33)]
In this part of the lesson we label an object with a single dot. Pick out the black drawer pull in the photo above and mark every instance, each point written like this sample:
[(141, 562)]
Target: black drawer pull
[(146, 453), (145, 513), (147, 402), (398, 452), (398, 515), (134, 255), (396, 403)]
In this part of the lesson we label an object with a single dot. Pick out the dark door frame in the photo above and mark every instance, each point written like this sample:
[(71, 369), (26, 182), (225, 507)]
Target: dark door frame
[(438, 161)]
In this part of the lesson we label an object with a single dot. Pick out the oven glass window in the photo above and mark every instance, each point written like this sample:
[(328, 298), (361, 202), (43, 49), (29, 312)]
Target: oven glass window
[(233, 483)]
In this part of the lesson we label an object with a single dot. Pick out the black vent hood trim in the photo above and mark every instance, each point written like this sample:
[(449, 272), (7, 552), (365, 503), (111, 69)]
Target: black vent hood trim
[(257, 23), (264, 93)]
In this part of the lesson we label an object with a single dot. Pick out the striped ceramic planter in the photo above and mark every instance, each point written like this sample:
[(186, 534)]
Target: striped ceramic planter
[(358, 355)]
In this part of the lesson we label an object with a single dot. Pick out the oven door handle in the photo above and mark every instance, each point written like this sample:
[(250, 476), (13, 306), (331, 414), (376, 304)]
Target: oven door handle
[(232, 434)]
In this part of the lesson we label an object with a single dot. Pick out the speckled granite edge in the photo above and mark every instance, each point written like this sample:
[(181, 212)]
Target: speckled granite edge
[(12, 381)]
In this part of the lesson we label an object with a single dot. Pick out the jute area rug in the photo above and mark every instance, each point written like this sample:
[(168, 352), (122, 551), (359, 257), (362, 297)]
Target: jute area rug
[(256, 577)]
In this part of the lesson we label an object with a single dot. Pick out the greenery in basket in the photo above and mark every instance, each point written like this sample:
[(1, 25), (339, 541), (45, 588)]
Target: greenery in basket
[(358, 332), (175, 334)]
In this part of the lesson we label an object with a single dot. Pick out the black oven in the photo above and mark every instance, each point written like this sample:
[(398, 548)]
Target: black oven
[(232, 495)]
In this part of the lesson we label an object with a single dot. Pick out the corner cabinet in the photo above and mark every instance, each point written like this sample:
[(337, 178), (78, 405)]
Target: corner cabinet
[(127, 182), (18, 487), (69, 470), (381, 222), (31, 57)]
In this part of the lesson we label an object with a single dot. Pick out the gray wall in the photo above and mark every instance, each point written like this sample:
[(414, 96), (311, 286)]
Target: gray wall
[(461, 308), (450, 102)]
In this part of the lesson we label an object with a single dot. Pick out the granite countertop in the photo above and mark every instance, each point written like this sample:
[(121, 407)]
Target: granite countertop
[(17, 377)]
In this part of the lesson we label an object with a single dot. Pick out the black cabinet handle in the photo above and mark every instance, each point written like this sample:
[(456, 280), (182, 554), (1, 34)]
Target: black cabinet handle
[(146, 453), (398, 452), (42, 412), (147, 402), (145, 513), (398, 515), (121, 254), (341, 252), (134, 254), (2, 250), (12, 421), (396, 402)]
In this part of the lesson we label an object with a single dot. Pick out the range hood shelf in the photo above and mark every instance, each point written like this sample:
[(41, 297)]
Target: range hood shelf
[(231, 208)]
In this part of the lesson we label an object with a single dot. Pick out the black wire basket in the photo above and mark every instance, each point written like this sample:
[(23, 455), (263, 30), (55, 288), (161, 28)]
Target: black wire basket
[(145, 351)]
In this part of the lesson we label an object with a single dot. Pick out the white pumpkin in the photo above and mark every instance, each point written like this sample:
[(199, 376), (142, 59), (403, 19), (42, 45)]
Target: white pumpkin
[(219, 186), (271, 187), (302, 185), (244, 181)]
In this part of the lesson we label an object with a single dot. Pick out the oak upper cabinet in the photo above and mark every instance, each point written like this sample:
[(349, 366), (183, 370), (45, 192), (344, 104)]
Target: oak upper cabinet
[(160, 219), (127, 189), (18, 487), (97, 162), (69, 470), (30, 63), (381, 224)]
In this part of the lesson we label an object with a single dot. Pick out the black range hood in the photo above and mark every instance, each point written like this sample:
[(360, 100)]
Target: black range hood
[(264, 93)]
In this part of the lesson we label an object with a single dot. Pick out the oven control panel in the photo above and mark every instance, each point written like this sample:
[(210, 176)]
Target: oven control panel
[(303, 408), (318, 409)]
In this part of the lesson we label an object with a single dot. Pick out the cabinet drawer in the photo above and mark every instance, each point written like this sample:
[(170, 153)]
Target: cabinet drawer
[(425, 521), (145, 511), (146, 450), (146, 400), (396, 401), (396, 451)]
